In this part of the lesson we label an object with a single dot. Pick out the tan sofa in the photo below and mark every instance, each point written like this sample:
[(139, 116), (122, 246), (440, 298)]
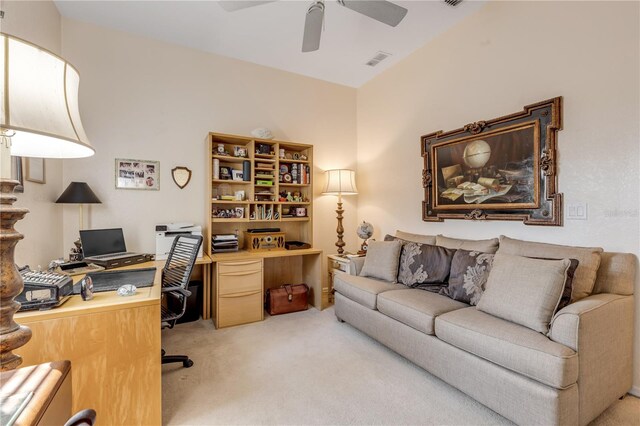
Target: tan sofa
[(568, 376)]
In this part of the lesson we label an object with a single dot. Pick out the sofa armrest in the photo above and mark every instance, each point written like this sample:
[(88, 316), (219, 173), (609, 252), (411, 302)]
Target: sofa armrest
[(600, 329), (355, 265), (566, 324)]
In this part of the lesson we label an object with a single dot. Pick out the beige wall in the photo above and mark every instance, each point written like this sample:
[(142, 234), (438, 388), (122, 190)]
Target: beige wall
[(508, 55), (145, 99), (38, 22)]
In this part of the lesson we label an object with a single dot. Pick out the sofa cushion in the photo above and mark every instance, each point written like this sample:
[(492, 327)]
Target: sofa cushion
[(588, 258), (509, 345), (469, 273), (416, 238), (361, 289), (424, 264), (485, 246), (524, 290), (416, 308), (382, 260)]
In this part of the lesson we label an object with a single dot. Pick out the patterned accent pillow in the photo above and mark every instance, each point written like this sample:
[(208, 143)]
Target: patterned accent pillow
[(422, 264), (469, 273)]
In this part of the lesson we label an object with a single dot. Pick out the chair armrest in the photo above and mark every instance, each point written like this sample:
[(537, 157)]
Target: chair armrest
[(176, 289), (355, 265), (600, 329)]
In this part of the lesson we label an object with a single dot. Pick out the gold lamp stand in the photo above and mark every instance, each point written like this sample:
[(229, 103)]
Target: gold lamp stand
[(12, 335), (340, 229)]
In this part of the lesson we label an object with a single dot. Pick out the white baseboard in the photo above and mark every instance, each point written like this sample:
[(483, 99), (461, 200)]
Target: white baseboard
[(635, 391)]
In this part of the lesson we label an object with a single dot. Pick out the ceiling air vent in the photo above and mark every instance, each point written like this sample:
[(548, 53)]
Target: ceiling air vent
[(380, 56), (453, 2)]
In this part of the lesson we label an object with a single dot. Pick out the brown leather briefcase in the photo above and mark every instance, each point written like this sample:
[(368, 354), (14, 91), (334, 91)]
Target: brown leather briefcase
[(288, 298)]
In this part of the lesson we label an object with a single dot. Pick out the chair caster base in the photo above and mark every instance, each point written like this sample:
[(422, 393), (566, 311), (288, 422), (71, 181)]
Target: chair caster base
[(185, 360)]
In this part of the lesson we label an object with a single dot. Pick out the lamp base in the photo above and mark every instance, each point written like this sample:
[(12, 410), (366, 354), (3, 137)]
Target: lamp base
[(340, 230), (12, 335)]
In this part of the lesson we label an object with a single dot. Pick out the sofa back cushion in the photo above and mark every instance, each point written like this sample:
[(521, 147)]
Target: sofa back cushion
[(617, 274), (485, 246), (524, 290), (588, 258), (416, 238), (382, 260), (469, 274)]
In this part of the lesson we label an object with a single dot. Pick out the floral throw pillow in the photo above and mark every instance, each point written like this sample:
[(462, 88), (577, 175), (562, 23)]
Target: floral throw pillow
[(469, 273), (422, 264)]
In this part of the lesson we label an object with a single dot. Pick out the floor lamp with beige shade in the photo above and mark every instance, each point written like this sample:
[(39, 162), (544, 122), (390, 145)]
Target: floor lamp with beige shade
[(39, 117), (340, 182)]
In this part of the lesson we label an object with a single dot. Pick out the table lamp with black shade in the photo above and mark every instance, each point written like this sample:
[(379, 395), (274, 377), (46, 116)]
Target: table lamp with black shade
[(78, 193), (39, 117)]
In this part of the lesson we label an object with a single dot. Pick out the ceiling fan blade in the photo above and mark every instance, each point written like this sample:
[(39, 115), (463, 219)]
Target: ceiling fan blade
[(380, 10), (233, 5), (313, 27)]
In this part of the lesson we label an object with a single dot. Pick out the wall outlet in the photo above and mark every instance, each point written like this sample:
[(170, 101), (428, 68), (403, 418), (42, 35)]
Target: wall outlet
[(577, 211)]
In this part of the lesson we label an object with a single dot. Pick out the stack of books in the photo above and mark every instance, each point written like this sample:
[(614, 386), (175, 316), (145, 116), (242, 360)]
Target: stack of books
[(222, 243)]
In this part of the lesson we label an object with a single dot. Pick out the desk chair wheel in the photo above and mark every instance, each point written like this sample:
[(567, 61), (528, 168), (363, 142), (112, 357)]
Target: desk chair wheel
[(185, 360)]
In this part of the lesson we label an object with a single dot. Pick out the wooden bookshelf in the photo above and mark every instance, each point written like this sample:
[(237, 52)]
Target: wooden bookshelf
[(261, 206)]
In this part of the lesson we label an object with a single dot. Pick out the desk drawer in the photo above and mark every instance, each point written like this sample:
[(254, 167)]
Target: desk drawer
[(240, 266), (239, 282), (240, 308)]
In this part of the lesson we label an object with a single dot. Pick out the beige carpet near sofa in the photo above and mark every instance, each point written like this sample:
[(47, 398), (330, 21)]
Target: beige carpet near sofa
[(306, 368)]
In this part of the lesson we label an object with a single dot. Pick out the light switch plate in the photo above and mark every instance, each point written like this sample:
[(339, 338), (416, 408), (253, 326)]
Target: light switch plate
[(577, 211)]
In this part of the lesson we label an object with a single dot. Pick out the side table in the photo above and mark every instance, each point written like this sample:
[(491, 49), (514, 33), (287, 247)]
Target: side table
[(337, 265)]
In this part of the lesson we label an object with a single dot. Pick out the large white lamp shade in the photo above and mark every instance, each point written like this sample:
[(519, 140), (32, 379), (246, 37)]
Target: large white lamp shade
[(39, 102), (340, 182)]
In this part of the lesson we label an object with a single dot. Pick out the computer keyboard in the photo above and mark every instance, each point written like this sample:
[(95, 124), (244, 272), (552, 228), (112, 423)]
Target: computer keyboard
[(112, 280), (110, 255)]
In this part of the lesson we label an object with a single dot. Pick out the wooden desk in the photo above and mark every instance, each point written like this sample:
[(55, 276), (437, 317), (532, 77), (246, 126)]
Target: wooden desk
[(203, 271), (114, 347), (278, 267), (50, 387)]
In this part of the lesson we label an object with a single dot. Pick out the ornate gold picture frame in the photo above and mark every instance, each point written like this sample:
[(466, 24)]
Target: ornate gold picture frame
[(500, 169)]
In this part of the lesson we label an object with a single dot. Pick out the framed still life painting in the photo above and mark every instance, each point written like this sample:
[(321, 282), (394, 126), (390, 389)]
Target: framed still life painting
[(502, 169)]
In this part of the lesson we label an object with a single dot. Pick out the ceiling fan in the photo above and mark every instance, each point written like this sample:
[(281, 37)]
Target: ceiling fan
[(380, 10)]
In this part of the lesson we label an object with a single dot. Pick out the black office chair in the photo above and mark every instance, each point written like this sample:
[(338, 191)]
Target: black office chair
[(175, 281)]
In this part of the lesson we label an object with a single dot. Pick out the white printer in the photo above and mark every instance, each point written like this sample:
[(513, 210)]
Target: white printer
[(167, 232)]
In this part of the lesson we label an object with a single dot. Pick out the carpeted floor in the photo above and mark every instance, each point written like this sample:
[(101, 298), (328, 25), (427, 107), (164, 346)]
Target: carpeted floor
[(307, 368)]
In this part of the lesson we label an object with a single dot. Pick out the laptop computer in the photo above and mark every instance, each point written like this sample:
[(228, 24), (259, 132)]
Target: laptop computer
[(106, 247)]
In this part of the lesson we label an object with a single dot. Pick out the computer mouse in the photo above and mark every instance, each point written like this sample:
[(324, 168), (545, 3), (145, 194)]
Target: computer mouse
[(126, 290)]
